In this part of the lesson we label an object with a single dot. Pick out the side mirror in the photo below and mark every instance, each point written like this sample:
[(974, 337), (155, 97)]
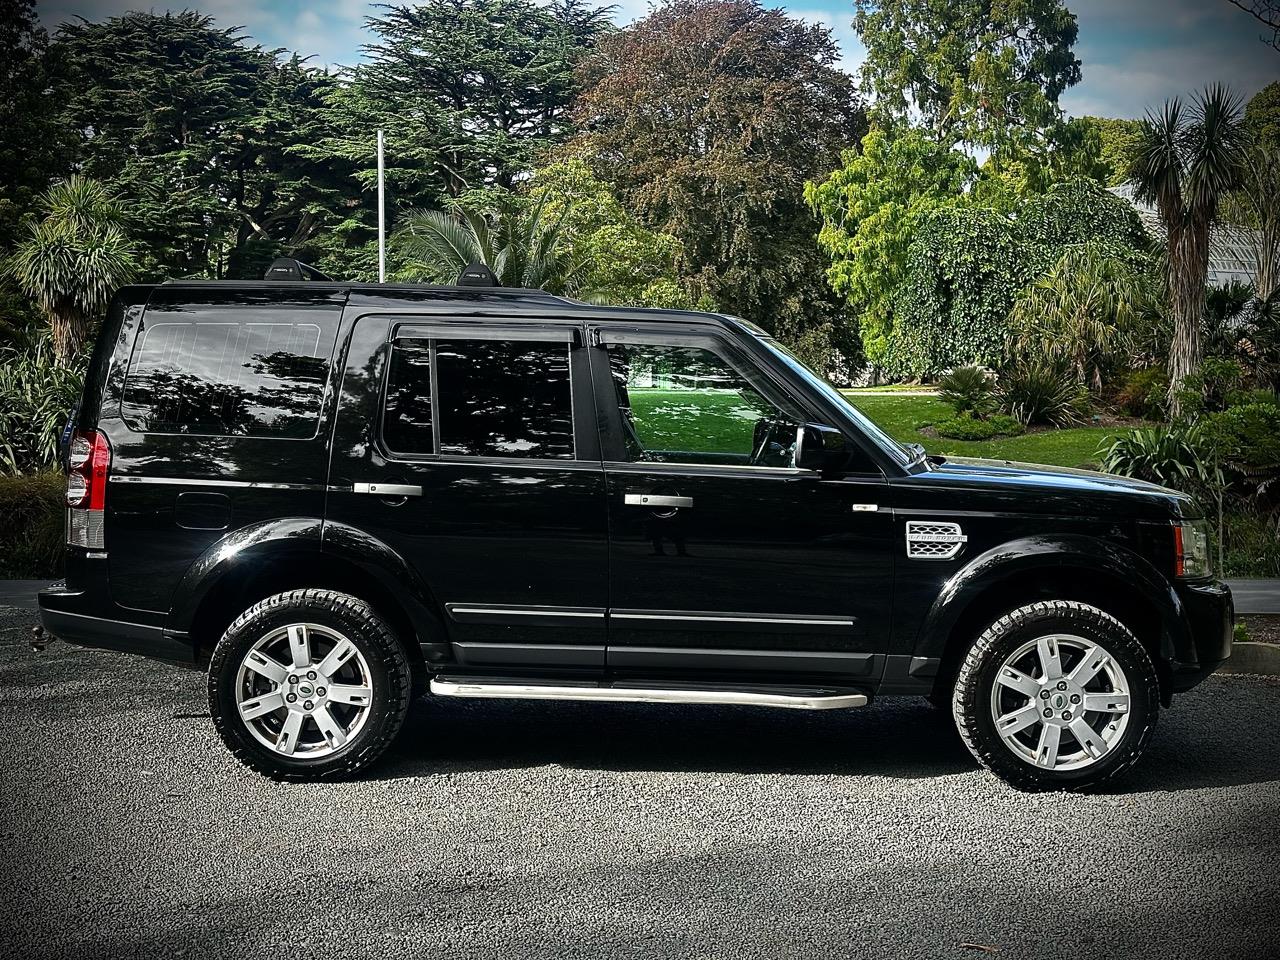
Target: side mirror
[(819, 447)]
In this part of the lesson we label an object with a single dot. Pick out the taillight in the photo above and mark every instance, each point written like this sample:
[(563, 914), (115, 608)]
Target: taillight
[(88, 463)]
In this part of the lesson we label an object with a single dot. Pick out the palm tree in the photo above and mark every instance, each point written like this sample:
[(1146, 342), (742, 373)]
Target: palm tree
[(73, 259), (1086, 311), (1185, 165), (519, 242)]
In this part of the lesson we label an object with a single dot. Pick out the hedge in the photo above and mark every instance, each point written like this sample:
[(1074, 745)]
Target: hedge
[(32, 525)]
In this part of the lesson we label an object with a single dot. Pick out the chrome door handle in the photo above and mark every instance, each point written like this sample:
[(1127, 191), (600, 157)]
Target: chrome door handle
[(656, 500), (387, 489)]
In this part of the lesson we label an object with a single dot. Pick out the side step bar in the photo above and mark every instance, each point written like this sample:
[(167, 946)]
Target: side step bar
[(797, 700)]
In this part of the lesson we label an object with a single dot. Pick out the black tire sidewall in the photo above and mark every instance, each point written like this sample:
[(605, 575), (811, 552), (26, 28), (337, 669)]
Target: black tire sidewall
[(972, 695), (353, 619)]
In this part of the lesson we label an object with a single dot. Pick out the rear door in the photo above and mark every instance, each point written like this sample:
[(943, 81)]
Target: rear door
[(725, 560), (486, 430), (213, 408)]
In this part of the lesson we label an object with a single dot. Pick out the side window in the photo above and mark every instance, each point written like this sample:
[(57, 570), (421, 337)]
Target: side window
[(230, 370), (689, 404), (479, 398)]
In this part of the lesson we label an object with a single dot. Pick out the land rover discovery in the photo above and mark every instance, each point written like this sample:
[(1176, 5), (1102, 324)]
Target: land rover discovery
[(337, 497)]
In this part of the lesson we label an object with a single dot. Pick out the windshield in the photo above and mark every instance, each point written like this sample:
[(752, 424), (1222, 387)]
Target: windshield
[(881, 439)]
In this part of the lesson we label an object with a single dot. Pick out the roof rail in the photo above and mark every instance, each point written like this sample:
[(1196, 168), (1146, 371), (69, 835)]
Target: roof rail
[(286, 268), (476, 274)]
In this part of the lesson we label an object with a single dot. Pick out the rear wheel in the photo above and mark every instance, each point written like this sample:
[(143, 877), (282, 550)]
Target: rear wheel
[(307, 685), (1056, 695)]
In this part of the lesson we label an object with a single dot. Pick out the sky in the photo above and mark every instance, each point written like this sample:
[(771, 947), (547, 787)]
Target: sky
[(1135, 53)]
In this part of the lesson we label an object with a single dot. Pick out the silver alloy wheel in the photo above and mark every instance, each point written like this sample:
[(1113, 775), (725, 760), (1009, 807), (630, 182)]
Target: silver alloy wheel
[(1060, 702), (304, 690)]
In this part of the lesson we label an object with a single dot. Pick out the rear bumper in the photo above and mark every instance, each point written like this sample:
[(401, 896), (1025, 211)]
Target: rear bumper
[(1210, 613), (84, 614)]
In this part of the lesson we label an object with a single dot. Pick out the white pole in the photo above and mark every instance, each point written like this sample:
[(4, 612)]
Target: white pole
[(382, 218)]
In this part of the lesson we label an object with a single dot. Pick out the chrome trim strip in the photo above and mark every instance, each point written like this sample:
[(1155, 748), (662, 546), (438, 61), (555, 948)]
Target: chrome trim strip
[(238, 484), (442, 687), (715, 618), (526, 611)]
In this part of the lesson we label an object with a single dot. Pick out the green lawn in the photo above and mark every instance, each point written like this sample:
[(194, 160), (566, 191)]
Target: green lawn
[(900, 417), (718, 421)]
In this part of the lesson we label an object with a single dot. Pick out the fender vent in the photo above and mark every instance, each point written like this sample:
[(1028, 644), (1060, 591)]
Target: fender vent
[(931, 540)]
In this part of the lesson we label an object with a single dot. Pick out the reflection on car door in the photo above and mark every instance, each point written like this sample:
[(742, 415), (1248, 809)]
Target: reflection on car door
[(724, 558), (487, 430)]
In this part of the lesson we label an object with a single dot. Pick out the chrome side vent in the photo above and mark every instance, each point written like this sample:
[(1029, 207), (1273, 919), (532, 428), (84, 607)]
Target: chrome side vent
[(932, 540)]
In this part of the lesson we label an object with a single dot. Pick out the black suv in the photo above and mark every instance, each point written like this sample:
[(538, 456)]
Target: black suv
[(341, 496)]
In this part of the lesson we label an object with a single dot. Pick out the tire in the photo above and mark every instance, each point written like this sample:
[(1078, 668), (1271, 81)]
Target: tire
[(999, 700), (289, 646)]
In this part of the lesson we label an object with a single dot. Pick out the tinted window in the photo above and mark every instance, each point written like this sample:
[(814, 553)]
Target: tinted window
[(492, 398), (231, 370), (685, 404)]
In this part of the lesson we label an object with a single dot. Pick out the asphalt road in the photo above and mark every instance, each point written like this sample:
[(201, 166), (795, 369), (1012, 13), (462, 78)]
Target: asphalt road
[(547, 830)]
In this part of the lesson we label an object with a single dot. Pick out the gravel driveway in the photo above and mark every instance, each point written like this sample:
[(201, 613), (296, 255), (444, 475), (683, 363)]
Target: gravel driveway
[(546, 830)]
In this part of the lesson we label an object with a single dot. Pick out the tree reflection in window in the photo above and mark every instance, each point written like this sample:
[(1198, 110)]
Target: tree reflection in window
[(223, 377)]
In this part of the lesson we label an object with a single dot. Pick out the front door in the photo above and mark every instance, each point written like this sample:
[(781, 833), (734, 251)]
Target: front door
[(470, 448), (726, 561)]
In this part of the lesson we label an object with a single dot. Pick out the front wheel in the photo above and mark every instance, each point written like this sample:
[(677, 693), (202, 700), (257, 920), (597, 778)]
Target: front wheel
[(308, 685), (1057, 695)]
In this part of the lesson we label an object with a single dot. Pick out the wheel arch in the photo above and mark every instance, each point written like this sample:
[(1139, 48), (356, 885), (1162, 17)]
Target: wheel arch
[(272, 557), (1102, 574)]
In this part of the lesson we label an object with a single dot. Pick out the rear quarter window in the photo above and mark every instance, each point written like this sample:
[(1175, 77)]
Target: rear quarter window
[(230, 369)]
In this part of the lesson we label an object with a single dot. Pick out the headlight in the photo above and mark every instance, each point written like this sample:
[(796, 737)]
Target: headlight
[(1191, 549)]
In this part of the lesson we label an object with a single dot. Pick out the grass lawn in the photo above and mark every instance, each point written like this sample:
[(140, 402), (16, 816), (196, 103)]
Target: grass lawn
[(899, 417)]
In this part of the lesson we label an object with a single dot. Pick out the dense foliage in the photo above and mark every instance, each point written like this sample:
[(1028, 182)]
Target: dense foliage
[(978, 71), (968, 263), (871, 209), (708, 116)]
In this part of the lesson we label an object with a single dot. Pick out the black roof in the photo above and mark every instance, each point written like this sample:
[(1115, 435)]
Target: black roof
[(390, 294)]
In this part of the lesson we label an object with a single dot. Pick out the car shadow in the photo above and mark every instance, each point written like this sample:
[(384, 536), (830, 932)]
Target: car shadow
[(1225, 733)]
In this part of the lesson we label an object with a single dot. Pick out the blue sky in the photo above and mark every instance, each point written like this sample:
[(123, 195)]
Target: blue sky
[(1136, 53)]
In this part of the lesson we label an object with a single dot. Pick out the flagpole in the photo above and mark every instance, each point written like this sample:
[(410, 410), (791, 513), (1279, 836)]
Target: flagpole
[(382, 217)]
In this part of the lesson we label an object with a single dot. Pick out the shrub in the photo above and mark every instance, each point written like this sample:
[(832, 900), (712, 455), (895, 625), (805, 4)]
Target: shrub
[(1043, 392), (32, 534), (1248, 437), (968, 390), (966, 427), (1208, 389), (1176, 456), (1252, 543), (37, 396), (1144, 393)]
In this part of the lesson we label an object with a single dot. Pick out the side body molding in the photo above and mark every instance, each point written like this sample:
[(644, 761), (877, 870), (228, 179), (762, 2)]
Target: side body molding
[(1045, 553)]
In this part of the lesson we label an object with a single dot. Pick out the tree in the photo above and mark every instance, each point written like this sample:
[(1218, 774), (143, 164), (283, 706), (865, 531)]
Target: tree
[(197, 131), (520, 242), (34, 146), (1257, 204), (870, 210), (73, 259), (1266, 12), (708, 117), (968, 263), (1185, 165), (622, 261), (982, 72), (1084, 310), (490, 81)]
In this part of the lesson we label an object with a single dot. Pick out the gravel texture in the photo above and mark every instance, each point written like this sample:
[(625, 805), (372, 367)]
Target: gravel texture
[(502, 829)]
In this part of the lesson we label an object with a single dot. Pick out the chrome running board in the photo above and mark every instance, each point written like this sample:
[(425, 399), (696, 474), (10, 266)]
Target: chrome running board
[(799, 700)]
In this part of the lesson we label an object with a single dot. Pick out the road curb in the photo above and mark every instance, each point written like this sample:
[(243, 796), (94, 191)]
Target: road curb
[(1255, 658)]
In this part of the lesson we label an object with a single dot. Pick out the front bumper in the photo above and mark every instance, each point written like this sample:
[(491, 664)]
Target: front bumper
[(85, 614), (1210, 615)]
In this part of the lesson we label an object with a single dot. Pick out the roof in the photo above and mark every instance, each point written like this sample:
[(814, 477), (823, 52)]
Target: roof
[(506, 298), (1231, 248)]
